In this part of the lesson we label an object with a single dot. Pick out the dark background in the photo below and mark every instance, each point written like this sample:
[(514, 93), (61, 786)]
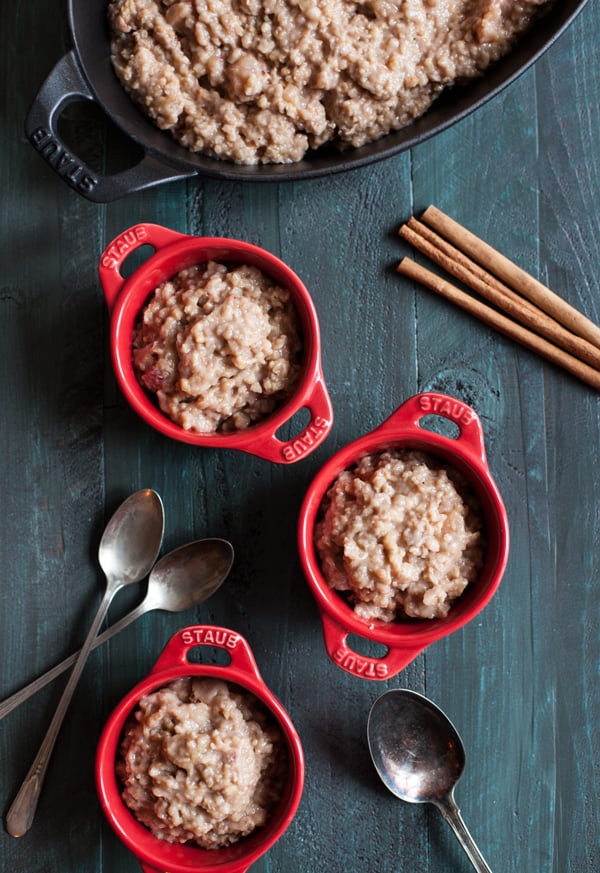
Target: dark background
[(520, 682)]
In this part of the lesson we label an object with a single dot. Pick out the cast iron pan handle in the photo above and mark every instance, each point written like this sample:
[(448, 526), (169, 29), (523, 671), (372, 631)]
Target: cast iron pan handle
[(65, 84)]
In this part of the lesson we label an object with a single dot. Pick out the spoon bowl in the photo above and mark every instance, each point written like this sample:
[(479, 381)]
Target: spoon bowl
[(181, 580), (189, 575), (132, 538), (420, 758)]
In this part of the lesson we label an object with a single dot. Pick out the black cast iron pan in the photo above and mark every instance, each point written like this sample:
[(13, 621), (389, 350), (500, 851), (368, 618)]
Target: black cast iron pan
[(85, 72)]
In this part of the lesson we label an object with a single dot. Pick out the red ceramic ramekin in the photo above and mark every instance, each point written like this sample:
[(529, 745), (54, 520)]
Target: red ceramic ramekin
[(404, 640), (175, 251), (158, 856)]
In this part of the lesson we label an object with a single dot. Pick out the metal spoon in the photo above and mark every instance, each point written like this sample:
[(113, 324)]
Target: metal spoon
[(182, 579), (128, 549), (420, 758)]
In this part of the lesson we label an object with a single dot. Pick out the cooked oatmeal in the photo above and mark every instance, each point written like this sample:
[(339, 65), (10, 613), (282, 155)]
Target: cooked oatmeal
[(264, 81), (202, 762), (401, 535), (220, 347)]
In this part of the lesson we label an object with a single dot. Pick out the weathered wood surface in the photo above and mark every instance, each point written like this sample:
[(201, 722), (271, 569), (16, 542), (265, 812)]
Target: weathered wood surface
[(520, 682)]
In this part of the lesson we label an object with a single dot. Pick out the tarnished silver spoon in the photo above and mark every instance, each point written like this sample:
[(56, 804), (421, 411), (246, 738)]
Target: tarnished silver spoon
[(182, 579), (420, 758), (128, 549)]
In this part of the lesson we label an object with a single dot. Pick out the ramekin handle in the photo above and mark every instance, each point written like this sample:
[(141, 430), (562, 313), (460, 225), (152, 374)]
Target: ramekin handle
[(64, 84), (176, 651), (271, 448), (123, 245), (410, 413), (363, 666)]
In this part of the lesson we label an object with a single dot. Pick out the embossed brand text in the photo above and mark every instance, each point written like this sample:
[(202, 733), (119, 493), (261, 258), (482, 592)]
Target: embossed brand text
[(209, 637), (113, 256), (450, 408), (360, 666), (306, 440), (62, 161)]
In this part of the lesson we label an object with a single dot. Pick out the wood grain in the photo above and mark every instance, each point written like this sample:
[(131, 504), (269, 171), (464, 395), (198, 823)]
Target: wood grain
[(520, 682)]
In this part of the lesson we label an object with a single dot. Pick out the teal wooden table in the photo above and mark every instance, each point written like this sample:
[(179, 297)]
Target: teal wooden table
[(520, 682)]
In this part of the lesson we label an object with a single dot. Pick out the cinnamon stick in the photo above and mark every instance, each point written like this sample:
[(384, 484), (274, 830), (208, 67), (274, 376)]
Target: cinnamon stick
[(487, 286), (514, 276), (500, 322), (455, 255)]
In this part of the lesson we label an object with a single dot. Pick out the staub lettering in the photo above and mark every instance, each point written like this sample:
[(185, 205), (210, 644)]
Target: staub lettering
[(450, 408), (306, 440), (209, 637), (360, 666), (65, 164), (114, 256)]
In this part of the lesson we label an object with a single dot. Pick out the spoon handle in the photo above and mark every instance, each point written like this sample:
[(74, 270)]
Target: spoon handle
[(22, 811), (451, 813), (23, 694)]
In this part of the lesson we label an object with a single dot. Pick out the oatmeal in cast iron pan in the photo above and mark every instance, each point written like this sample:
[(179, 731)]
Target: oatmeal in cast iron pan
[(85, 73)]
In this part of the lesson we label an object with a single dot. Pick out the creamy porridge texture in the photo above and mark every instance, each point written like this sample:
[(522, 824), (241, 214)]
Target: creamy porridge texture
[(203, 763), (220, 347), (399, 534), (263, 81)]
